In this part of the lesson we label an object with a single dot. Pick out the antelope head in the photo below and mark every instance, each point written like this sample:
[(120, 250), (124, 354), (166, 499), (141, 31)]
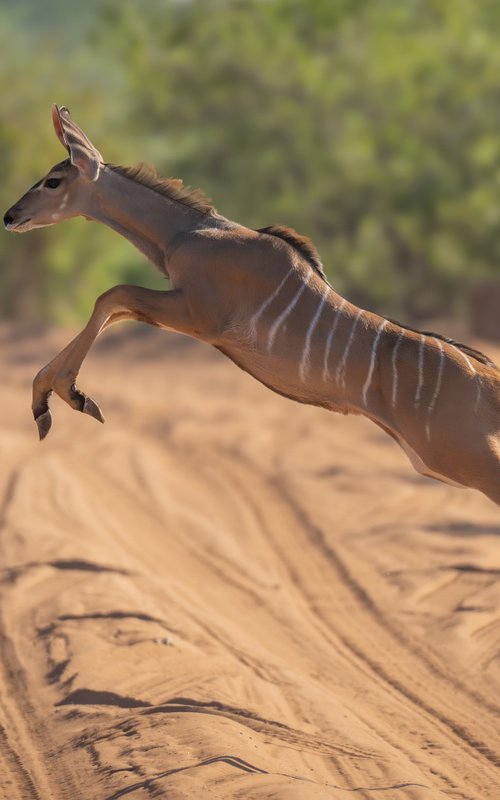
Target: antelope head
[(65, 190)]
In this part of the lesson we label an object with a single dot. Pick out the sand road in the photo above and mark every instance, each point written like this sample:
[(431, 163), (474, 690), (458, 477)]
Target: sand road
[(222, 594)]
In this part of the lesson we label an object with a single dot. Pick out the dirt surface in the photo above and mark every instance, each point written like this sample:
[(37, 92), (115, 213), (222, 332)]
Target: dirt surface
[(222, 594)]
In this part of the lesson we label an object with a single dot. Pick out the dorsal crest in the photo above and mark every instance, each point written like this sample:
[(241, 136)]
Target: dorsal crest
[(173, 188), (477, 355), (300, 243)]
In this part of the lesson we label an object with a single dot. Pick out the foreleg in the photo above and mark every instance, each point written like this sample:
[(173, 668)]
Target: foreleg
[(165, 309)]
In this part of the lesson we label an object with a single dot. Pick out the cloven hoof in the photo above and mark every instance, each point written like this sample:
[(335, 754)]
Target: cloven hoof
[(44, 422), (91, 408)]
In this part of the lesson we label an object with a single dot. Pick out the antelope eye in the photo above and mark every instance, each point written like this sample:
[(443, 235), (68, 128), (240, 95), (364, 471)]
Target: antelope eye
[(52, 183)]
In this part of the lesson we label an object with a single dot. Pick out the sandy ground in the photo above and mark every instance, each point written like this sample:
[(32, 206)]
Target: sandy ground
[(222, 594)]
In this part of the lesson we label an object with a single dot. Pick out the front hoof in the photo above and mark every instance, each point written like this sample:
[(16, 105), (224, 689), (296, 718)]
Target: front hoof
[(44, 422), (91, 408)]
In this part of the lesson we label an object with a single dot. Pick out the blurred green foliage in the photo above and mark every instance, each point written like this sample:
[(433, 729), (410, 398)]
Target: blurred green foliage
[(372, 126)]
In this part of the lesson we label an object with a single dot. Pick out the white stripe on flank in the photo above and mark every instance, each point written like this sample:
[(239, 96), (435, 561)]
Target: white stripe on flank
[(461, 353), (284, 314), (420, 370), (372, 360), (478, 394), (394, 370), (473, 372), (267, 302), (326, 371), (437, 388), (340, 373), (304, 363)]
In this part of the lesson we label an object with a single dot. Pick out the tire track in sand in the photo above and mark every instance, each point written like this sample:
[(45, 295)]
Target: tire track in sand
[(287, 656)]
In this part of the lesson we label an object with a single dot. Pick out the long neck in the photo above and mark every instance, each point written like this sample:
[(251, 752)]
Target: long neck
[(146, 218)]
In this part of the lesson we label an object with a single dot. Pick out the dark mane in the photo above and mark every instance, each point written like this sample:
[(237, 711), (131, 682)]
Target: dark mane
[(173, 188), (469, 351), (301, 243)]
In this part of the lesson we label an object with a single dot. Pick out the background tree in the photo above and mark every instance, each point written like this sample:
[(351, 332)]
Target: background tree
[(370, 126)]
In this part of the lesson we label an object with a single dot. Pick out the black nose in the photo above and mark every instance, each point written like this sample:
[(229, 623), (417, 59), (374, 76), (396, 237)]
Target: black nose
[(8, 218)]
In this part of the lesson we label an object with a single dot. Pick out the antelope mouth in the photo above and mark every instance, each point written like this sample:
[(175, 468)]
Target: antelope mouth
[(19, 227)]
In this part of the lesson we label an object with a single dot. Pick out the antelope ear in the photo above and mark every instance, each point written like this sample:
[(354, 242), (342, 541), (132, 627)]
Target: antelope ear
[(81, 151), (56, 120)]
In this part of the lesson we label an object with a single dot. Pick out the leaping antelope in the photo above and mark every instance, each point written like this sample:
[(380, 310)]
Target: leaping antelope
[(262, 298)]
